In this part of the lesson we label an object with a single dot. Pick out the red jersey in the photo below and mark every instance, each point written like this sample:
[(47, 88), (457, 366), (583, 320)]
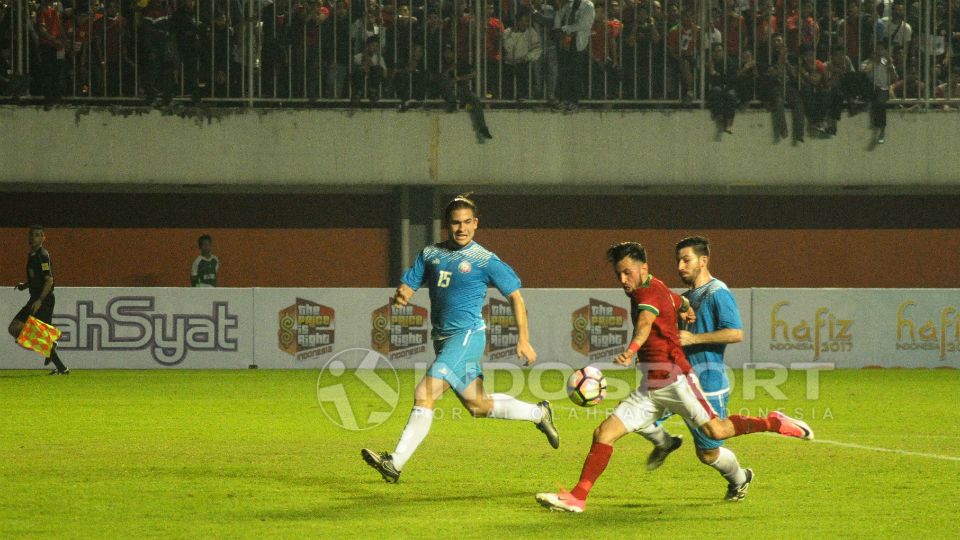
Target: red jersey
[(663, 344)]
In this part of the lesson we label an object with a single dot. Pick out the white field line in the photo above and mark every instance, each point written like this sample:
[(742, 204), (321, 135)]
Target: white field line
[(890, 450)]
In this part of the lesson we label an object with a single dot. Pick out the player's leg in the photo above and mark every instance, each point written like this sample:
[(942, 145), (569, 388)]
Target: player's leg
[(15, 328), (506, 407), (418, 425), (632, 414), (16, 325), (711, 452), (775, 422), (468, 374), (45, 314), (689, 402), (663, 443)]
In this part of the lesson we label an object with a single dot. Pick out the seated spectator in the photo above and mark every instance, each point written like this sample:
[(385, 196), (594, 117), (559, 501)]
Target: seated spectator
[(410, 79), (910, 85), (369, 71), (722, 73), (683, 44), (747, 78), (841, 85), (453, 81), (521, 48), (813, 93), (775, 74)]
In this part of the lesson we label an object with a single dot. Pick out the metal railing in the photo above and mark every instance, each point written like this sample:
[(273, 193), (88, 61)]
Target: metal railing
[(640, 52)]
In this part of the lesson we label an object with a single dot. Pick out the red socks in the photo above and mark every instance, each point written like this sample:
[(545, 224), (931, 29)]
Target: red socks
[(593, 467), (743, 425)]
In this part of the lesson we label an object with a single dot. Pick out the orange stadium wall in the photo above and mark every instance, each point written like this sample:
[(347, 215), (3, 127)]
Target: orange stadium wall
[(348, 240)]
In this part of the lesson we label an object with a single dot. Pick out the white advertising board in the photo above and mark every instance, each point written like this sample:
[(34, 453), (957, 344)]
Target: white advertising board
[(144, 328), (858, 327), (158, 328)]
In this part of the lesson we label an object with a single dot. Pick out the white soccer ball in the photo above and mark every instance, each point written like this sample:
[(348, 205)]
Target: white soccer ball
[(587, 386)]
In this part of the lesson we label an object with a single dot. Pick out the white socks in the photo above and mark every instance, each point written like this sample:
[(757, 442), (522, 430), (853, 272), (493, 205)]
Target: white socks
[(413, 434), (510, 408), (655, 434), (729, 467), (504, 406)]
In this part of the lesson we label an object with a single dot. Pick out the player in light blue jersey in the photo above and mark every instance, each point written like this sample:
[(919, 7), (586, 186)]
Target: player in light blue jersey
[(457, 273), (715, 323)]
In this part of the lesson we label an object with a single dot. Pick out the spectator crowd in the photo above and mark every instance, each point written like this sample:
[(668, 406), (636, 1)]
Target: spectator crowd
[(814, 57)]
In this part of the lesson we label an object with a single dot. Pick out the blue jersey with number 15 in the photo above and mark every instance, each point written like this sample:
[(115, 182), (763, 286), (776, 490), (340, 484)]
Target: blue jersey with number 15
[(458, 281)]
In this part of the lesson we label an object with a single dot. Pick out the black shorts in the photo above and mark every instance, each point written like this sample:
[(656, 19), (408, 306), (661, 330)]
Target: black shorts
[(45, 313)]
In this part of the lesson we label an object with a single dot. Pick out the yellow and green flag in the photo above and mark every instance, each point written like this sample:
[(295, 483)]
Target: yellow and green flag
[(38, 336)]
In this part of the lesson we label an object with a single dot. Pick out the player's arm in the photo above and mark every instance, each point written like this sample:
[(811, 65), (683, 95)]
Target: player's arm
[(195, 272), (722, 336), (729, 328), (641, 331), (410, 281), (524, 349), (402, 295), (47, 287), (685, 313)]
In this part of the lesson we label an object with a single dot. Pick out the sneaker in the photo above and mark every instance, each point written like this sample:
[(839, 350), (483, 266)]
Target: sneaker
[(659, 455), (66, 371), (738, 493), (383, 463), (485, 133), (546, 425), (791, 427), (563, 501)]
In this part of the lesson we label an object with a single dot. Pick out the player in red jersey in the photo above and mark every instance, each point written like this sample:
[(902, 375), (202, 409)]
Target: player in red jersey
[(669, 384)]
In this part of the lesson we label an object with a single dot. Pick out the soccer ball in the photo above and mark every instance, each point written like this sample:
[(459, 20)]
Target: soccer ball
[(587, 386)]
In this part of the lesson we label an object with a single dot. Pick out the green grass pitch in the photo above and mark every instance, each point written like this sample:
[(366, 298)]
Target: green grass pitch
[(193, 454)]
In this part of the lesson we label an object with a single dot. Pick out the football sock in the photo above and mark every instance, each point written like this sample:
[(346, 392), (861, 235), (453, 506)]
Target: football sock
[(728, 466), (510, 408), (55, 358), (744, 425), (593, 467), (655, 434), (418, 425)]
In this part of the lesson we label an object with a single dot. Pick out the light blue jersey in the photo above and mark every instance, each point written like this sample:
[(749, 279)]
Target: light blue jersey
[(458, 281), (716, 309)]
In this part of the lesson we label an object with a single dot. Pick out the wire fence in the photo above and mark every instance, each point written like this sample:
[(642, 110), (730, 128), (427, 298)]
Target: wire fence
[(612, 52)]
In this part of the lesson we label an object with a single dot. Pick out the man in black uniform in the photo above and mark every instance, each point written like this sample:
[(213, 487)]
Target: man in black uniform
[(40, 283)]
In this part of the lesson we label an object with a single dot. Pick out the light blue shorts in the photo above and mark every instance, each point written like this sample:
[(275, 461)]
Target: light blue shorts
[(458, 358), (700, 439)]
